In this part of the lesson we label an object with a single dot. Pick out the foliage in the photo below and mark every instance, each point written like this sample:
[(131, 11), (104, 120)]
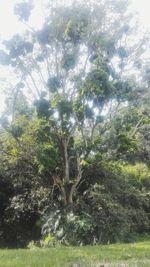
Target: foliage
[(115, 208), (23, 10), (74, 136)]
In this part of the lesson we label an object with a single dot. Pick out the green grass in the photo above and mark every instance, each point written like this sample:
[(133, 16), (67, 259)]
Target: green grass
[(118, 255)]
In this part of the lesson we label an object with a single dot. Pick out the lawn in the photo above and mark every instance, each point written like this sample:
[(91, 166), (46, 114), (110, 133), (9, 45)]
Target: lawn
[(119, 255)]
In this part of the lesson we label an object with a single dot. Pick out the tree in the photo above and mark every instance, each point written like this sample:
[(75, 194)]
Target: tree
[(76, 67)]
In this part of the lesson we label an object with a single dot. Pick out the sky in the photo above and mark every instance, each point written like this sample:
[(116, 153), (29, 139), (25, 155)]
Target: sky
[(9, 24)]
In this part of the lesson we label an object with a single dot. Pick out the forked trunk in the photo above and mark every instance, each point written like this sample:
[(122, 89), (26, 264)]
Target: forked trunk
[(66, 184), (68, 195)]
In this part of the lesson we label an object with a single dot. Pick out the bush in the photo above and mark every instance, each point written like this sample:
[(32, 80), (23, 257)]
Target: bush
[(114, 208)]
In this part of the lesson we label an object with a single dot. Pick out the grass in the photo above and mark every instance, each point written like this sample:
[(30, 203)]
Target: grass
[(118, 255)]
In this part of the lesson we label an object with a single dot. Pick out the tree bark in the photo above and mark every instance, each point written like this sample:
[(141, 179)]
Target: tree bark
[(68, 194), (66, 185), (70, 187), (66, 159)]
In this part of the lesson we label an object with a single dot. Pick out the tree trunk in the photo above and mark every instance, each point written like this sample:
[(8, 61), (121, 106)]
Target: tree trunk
[(68, 195), (66, 185), (66, 160)]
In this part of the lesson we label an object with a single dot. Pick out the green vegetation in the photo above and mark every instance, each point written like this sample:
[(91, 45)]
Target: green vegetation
[(130, 255), (74, 135)]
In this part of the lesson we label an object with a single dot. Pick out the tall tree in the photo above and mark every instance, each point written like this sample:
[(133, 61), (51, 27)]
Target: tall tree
[(76, 70)]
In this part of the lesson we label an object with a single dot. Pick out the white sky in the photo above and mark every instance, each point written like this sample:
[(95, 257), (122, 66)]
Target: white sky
[(9, 24)]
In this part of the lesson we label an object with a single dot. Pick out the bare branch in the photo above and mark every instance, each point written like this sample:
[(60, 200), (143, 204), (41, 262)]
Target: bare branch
[(34, 83)]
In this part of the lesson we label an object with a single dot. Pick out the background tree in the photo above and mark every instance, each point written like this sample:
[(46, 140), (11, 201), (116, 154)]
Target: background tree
[(72, 55)]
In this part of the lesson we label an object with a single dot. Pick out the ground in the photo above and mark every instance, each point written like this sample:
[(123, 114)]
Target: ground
[(118, 255)]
